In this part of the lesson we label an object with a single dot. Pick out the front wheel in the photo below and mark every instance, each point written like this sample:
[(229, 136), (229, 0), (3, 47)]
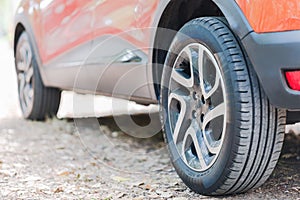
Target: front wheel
[(223, 135)]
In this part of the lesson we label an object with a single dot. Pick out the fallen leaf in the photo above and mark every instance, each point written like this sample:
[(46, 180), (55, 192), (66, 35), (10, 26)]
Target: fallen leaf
[(58, 190), (93, 164), (147, 187), (66, 173)]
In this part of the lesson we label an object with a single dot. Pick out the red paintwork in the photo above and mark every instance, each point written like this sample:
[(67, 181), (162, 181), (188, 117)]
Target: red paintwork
[(65, 24), (115, 17), (124, 17), (61, 25), (272, 15)]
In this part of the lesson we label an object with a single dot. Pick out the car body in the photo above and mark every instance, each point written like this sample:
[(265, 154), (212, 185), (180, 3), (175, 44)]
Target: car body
[(119, 48), (47, 28)]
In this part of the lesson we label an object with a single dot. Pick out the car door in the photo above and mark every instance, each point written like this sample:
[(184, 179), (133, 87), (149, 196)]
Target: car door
[(119, 57), (66, 38)]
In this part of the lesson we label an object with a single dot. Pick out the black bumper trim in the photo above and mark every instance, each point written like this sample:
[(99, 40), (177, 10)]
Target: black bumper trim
[(293, 117), (271, 54)]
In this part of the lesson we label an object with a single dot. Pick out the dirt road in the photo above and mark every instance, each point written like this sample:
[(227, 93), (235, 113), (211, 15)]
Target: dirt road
[(93, 159)]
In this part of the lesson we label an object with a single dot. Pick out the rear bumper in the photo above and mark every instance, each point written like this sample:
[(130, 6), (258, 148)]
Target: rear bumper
[(271, 54)]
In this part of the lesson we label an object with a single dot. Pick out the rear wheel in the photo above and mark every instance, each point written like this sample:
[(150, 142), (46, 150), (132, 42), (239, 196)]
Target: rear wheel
[(223, 135), (37, 101)]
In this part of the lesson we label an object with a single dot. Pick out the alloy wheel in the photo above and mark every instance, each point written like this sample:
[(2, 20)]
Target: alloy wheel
[(25, 72), (197, 107)]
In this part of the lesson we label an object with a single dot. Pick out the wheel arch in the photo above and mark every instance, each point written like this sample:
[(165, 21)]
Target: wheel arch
[(196, 8), (22, 24), (18, 32)]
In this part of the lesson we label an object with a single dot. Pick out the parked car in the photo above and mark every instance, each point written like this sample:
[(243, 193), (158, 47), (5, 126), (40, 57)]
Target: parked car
[(226, 74)]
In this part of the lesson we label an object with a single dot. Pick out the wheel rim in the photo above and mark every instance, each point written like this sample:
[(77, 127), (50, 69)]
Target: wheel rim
[(25, 73), (197, 107)]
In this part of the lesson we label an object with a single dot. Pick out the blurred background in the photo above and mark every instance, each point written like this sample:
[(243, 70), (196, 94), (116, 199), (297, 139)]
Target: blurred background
[(7, 10), (9, 106)]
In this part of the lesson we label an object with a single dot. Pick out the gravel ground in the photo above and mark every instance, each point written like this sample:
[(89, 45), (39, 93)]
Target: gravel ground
[(93, 159)]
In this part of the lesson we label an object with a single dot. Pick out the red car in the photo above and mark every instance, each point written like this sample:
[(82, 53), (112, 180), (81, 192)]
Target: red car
[(226, 74)]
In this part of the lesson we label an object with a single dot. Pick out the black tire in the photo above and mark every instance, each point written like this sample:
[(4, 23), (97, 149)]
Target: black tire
[(37, 102), (254, 130)]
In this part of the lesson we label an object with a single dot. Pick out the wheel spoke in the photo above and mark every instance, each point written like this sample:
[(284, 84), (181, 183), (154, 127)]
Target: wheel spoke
[(27, 56), (178, 74), (214, 113), (21, 66), (27, 94), (192, 132), (31, 93), (23, 51), (182, 119), (212, 145), (206, 90), (200, 68), (189, 51), (29, 74), (213, 89), (22, 83)]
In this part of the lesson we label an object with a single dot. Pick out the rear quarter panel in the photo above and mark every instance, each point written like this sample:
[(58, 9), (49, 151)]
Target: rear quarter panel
[(272, 15)]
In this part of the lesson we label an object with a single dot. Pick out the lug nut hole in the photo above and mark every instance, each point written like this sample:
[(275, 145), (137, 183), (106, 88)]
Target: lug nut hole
[(202, 117), (203, 99)]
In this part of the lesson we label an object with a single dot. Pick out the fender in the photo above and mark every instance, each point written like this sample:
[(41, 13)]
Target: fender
[(237, 21), (23, 18), (229, 8)]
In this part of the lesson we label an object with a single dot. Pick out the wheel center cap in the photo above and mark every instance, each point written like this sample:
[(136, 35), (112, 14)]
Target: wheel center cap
[(200, 106)]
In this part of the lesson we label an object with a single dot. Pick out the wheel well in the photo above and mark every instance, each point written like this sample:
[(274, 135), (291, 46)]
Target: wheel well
[(176, 14), (18, 31)]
